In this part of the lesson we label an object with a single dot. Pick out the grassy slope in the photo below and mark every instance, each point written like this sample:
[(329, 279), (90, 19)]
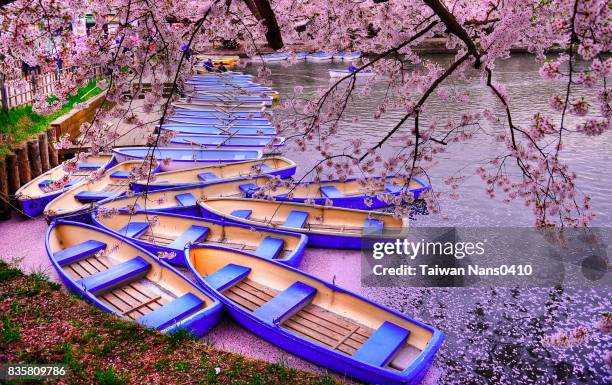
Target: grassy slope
[(39, 323), (21, 123)]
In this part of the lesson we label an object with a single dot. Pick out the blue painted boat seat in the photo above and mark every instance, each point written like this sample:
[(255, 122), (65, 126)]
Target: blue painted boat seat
[(392, 188), (296, 219), (270, 247), (372, 226), (330, 192), (79, 251), (382, 345), (93, 196), (244, 214), (172, 312), (133, 229), (186, 199), (248, 188), (44, 183), (227, 276), (90, 165), (114, 276), (265, 168), (286, 303), (193, 234), (206, 176), (120, 174)]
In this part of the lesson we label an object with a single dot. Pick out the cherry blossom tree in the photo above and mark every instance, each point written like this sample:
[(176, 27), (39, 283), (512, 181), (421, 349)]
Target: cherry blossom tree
[(151, 41)]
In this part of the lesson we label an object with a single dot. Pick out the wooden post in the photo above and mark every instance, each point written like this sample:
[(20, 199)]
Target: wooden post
[(53, 159), (43, 146), (23, 163), (13, 173), (3, 95), (34, 156), (5, 207)]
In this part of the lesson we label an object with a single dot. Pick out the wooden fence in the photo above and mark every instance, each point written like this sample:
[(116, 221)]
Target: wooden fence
[(21, 92)]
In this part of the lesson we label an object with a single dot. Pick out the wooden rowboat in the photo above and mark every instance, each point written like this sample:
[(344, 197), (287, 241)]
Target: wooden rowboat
[(319, 56), (227, 104), (226, 141), (220, 129), (37, 193), (209, 121), (352, 193), (170, 233), (325, 226), (220, 114), (315, 319), (171, 158), (180, 200), (216, 98), (274, 165), (126, 280), (80, 199), (184, 104)]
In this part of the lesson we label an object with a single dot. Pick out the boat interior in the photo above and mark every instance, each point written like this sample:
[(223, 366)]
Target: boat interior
[(301, 216), (175, 232), (123, 278), (232, 170), (115, 181), (313, 310), (84, 169)]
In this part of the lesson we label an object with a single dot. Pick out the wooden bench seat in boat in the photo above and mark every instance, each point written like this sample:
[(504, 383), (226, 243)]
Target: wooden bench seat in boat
[(82, 250), (382, 344), (115, 275), (372, 226), (248, 188), (227, 276), (330, 192), (296, 219), (93, 196), (392, 188), (90, 165), (133, 229), (270, 247), (186, 199), (172, 312), (191, 235), (286, 303), (120, 174), (244, 214), (207, 176)]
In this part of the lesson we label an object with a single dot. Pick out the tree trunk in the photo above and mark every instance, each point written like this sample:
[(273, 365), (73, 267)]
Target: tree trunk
[(53, 158), (262, 10), (24, 164), (43, 146), (34, 155)]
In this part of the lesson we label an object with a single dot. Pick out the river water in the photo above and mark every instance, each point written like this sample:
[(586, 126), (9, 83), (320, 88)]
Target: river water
[(590, 157), (494, 335)]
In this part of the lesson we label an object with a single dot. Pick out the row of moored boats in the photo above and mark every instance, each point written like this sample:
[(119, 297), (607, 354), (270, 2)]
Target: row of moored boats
[(221, 203)]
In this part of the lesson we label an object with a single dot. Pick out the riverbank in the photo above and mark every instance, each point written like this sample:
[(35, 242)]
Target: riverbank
[(40, 323)]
